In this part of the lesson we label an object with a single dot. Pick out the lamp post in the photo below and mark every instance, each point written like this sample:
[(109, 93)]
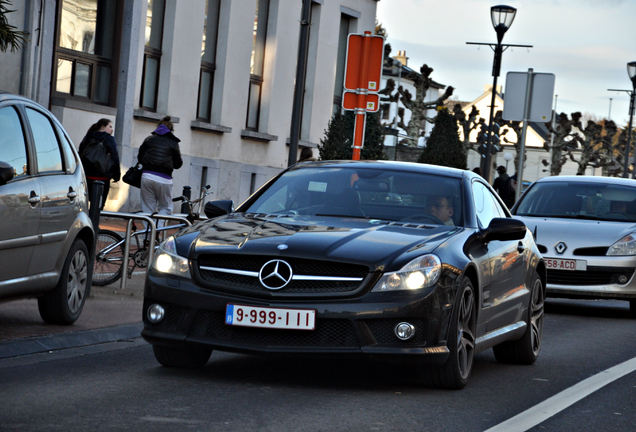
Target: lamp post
[(508, 158), (502, 17), (631, 72)]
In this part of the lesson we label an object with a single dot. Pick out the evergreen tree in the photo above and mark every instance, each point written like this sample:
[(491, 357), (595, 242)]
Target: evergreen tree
[(338, 140), (443, 147)]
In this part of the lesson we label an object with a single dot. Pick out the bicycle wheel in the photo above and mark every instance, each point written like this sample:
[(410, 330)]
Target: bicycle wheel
[(108, 264)]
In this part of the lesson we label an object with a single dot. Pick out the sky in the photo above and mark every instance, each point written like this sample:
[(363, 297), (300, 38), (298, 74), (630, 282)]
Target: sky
[(586, 44)]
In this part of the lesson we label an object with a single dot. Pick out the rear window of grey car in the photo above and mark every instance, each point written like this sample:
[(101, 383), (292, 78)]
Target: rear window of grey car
[(46, 145)]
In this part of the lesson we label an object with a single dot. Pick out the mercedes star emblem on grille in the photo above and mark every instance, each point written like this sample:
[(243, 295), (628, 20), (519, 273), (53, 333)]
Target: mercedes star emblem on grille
[(275, 274), (560, 247)]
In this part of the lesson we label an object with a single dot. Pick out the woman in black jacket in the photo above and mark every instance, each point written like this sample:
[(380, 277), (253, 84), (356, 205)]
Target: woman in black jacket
[(159, 155), (101, 132)]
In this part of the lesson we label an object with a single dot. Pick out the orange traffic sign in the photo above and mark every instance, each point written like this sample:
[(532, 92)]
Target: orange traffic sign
[(350, 101), (369, 78)]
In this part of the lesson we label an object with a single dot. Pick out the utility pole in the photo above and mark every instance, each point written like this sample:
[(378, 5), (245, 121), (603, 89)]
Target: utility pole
[(299, 89)]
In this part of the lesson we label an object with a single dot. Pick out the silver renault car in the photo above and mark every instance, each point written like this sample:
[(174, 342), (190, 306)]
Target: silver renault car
[(585, 228), (46, 235)]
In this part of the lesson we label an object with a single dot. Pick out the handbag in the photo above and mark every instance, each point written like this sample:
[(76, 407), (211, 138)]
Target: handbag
[(133, 176)]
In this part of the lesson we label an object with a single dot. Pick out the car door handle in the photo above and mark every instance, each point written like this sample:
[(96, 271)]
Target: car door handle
[(33, 199), (71, 194), (520, 248)]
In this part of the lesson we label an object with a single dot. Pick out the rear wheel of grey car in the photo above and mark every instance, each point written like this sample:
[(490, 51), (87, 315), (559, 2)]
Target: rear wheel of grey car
[(63, 305), (454, 374), (187, 357), (108, 262), (526, 350)]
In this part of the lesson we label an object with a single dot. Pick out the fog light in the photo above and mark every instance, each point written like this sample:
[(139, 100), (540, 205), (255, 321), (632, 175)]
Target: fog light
[(156, 313), (622, 279), (404, 331)]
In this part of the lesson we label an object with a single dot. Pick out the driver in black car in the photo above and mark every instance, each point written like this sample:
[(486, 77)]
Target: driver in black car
[(441, 208)]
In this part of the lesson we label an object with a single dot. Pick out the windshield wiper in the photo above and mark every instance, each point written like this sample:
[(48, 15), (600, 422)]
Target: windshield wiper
[(579, 216), (342, 216)]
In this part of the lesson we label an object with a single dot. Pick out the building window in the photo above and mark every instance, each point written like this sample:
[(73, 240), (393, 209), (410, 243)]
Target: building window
[(152, 54), (257, 63), (345, 21), (85, 49), (208, 59)]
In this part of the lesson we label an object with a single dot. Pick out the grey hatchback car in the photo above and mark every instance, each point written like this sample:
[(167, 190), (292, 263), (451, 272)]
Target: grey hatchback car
[(46, 235), (585, 228)]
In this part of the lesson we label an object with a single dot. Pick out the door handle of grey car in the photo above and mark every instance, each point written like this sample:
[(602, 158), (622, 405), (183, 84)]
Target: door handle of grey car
[(520, 248), (33, 199), (71, 194)]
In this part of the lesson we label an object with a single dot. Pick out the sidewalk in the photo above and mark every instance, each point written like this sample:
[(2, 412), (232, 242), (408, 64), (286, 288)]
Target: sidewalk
[(109, 314)]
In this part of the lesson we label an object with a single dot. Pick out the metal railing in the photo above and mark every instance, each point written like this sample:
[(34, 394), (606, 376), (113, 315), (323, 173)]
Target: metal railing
[(150, 219)]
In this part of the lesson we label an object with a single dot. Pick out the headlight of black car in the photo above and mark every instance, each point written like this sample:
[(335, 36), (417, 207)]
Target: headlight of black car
[(422, 272), (168, 261)]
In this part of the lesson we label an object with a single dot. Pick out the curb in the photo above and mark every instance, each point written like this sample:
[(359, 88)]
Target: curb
[(22, 347)]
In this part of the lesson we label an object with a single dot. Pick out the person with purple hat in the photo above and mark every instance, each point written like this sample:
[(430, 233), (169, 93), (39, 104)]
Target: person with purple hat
[(160, 156)]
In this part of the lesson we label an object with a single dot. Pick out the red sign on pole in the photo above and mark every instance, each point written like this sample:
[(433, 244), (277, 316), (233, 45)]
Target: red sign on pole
[(350, 101), (372, 65), (363, 73)]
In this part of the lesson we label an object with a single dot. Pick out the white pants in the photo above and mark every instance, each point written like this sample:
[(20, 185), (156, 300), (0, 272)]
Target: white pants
[(156, 197)]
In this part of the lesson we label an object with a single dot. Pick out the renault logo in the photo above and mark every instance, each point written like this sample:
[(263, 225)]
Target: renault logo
[(275, 274), (560, 247)]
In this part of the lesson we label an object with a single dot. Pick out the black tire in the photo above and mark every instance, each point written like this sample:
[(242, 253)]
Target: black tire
[(455, 373), (64, 304), (187, 357), (108, 266), (526, 350), (632, 308)]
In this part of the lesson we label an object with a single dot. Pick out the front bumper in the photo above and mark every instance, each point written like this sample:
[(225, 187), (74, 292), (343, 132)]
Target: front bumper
[(361, 325), (601, 280)]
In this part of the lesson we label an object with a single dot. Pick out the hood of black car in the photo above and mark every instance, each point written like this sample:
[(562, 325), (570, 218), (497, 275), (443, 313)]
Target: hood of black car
[(371, 242)]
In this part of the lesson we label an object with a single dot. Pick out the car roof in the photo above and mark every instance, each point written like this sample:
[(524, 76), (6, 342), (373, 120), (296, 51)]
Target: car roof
[(390, 165), (5, 96), (589, 179)]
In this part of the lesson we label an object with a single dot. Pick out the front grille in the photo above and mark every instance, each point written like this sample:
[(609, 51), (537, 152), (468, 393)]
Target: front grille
[(383, 331), (329, 333), (593, 276), (300, 267), (591, 251)]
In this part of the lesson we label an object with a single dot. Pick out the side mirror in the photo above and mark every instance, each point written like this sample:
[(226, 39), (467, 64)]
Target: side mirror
[(7, 172), (218, 208), (504, 229)]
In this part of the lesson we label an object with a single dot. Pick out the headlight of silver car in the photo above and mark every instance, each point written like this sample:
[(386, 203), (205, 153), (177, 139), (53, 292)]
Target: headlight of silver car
[(168, 261), (422, 272), (625, 246)]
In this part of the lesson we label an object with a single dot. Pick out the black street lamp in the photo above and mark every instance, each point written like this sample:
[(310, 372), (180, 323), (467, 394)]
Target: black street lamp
[(631, 72), (502, 17)]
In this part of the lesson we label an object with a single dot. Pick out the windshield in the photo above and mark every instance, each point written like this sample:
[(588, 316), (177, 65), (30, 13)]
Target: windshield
[(364, 193), (580, 200)]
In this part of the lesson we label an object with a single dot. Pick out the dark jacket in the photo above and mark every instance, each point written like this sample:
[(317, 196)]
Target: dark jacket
[(111, 146), (503, 186), (160, 152)]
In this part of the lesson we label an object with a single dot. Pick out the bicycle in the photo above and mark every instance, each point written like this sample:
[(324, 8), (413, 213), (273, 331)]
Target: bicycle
[(109, 254)]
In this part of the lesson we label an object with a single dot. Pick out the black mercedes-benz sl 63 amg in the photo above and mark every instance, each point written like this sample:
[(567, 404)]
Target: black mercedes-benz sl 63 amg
[(394, 260)]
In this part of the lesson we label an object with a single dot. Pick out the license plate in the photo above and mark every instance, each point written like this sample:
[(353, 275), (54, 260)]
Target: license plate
[(252, 316), (565, 264)]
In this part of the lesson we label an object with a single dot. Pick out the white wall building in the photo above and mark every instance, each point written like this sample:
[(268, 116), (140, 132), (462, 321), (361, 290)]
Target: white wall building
[(224, 70)]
